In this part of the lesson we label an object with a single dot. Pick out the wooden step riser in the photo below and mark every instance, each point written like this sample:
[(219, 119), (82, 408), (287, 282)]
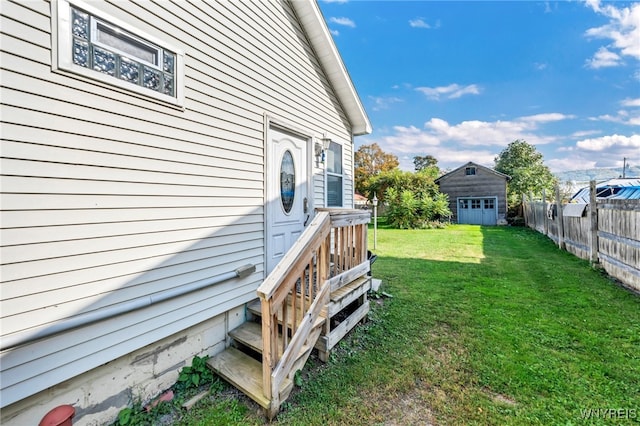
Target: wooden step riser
[(249, 335)]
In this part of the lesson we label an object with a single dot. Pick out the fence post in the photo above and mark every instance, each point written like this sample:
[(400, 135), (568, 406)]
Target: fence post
[(533, 211), (545, 222), (559, 219), (593, 212)]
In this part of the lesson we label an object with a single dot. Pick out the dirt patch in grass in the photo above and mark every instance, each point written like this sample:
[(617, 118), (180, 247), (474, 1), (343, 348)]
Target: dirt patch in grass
[(500, 398), (411, 407)]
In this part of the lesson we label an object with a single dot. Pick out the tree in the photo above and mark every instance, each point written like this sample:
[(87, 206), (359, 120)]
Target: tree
[(420, 183), (371, 160), (421, 162), (525, 165)]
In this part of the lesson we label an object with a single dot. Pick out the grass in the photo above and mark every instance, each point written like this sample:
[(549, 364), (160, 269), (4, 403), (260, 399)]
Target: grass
[(487, 326)]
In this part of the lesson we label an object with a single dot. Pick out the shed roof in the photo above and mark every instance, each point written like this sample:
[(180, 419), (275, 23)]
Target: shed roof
[(472, 164), (621, 189), (321, 40)]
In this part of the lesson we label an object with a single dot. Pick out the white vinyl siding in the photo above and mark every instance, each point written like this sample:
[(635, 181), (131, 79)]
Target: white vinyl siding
[(109, 195)]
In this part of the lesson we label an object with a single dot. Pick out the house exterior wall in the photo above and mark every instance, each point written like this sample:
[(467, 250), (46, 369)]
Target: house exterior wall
[(110, 196), (485, 183), (99, 395)]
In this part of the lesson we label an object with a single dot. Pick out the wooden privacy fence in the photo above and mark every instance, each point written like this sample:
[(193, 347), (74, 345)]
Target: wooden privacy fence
[(608, 235)]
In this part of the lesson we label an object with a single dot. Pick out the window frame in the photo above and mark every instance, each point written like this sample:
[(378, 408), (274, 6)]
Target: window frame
[(63, 51), (470, 171), (341, 176)]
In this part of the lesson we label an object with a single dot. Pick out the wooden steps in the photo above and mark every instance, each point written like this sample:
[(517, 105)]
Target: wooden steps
[(349, 304), (245, 373), (345, 295)]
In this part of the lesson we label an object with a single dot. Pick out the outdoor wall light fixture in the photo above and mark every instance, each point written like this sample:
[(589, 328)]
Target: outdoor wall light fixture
[(321, 147)]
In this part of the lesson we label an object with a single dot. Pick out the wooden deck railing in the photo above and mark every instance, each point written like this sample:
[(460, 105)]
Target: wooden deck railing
[(297, 290), (349, 256)]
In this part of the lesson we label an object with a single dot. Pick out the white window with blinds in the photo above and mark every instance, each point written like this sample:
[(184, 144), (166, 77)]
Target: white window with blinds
[(334, 176)]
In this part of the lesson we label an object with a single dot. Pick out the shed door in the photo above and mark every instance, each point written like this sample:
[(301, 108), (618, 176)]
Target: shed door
[(288, 208), (478, 211)]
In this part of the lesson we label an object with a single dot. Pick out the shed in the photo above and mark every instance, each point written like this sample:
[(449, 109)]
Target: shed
[(477, 194), (158, 160)]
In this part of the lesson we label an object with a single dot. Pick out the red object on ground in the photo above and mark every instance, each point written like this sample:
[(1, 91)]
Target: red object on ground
[(59, 416), (167, 396)]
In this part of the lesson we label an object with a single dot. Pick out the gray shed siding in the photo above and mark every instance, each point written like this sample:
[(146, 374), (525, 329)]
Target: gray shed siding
[(484, 184), (109, 196)]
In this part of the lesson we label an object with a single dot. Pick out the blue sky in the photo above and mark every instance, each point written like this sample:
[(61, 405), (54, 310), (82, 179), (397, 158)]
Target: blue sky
[(461, 80)]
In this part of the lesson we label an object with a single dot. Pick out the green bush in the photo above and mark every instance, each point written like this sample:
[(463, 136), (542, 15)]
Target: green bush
[(406, 211)]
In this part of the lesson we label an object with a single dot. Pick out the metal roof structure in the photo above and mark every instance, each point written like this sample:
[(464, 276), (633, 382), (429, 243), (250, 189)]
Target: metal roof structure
[(619, 189)]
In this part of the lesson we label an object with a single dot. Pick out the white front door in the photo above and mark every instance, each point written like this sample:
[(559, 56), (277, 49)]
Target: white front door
[(288, 208)]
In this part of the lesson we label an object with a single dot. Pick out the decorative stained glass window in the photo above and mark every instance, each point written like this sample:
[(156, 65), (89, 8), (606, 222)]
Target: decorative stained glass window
[(287, 181), (103, 47)]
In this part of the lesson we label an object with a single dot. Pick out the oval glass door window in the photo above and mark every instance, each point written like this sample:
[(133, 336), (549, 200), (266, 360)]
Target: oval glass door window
[(287, 181)]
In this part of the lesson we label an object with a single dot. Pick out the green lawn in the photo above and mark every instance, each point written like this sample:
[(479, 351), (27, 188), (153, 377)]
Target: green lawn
[(486, 326)]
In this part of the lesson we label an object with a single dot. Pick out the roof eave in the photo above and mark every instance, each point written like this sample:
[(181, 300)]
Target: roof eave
[(316, 28)]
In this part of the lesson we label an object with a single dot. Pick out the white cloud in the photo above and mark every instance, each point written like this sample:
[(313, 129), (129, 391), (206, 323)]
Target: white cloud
[(455, 144), (622, 117), (418, 23), (570, 163), (335, 32), (381, 102), (546, 118), (623, 30), (584, 133), (342, 21), (604, 151), (500, 133), (452, 91), (630, 102), (421, 23), (605, 143), (540, 66), (604, 58)]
